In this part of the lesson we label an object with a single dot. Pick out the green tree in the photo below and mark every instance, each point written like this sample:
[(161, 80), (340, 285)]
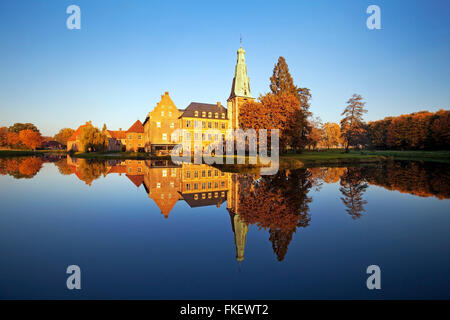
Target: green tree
[(63, 135), (17, 127), (352, 126), (92, 139)]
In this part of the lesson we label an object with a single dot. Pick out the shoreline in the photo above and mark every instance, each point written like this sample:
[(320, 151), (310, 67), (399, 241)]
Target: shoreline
[(289, 160)]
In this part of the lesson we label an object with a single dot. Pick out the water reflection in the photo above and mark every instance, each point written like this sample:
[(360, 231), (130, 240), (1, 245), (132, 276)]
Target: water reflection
[(278, 204)]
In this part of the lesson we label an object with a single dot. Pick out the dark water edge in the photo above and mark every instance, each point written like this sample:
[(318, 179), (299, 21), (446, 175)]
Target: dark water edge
[(137, 230)]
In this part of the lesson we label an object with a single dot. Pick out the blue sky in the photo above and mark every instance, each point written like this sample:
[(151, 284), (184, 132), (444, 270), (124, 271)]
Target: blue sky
[(129, 52)]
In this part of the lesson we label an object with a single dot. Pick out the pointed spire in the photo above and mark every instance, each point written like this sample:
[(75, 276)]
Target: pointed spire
[(241, 82)]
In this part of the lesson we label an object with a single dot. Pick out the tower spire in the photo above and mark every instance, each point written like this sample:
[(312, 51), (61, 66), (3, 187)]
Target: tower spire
[(241, 82)]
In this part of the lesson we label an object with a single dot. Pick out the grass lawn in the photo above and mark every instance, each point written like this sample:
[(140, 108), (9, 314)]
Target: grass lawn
[(23, 153), (339, 156)]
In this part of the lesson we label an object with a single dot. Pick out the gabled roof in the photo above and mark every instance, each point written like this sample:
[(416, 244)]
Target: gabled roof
[(118, 134), (200, 107), (137, 127), (136, 179), (77, 132)]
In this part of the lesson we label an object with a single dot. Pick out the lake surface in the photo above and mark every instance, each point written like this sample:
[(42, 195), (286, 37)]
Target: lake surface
[(156, 230)]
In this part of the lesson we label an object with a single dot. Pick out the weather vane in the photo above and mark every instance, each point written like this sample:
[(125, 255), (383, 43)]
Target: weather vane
[(240, 39)]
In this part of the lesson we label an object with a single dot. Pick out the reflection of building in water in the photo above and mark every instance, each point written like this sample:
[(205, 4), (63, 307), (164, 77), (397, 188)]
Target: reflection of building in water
[(240, 228), (166, 183)]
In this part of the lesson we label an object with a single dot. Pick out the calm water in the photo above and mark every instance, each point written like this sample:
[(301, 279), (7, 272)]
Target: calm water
[(141, 229)]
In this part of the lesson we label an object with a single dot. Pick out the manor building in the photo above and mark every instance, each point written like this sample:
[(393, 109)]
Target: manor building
[(203, 124)]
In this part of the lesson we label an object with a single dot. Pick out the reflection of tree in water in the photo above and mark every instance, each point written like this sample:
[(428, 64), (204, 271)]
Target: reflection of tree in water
[(278, 203), (90, 170), (352, 188), (63, 167), (21, 167)]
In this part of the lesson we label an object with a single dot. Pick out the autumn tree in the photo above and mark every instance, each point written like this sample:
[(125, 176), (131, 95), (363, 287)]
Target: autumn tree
[(331, 135), (352, 126), (282, 82), (12, 139), (316, 132), (3, 133), (92, 139), (63, 135), (31, 139)]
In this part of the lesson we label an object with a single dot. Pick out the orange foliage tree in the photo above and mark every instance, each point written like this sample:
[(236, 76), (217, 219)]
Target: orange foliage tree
[(30, 138)]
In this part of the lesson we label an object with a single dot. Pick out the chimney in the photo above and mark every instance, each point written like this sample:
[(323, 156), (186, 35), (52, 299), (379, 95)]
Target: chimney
[(218, 104), (166, 93)]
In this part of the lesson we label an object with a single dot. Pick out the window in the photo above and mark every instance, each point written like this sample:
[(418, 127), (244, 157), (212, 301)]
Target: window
[(209, 125), (196, 124), (170, 113), (209, 114), (196, 113), (173, 172), (139, 145), (195, 186), (203, 124), (203, 185), (164, 173), (216, 194), (209, 185), (164, 136), (209, 195), (158, 185), (195, 196), (209, 173), (216, 115), (139, 169), (172, 125), (196, 136), (222, 194), (188, 123), (216, 173), (188, 186), (222, 184), (203, 174), (223, 125), (216, 125), (216, 137), (209, 136), (162, 113), (188, 136), (196, 174), (130, 136), (172, 184), (129, 169), (188, 174), (223, 115), (203, 195), (203, 114), (216, 185), (158, 124)]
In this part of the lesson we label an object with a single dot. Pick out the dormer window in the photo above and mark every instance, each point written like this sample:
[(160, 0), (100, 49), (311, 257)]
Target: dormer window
[(209, 114), (216, 115), (223, 115), (196, 113), (204, 114)]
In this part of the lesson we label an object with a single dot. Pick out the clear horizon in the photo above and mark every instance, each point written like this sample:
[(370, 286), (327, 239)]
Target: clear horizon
[(127, 54)]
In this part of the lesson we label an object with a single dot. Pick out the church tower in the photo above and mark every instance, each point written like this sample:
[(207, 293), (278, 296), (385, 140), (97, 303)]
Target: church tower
[(240, 90)]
